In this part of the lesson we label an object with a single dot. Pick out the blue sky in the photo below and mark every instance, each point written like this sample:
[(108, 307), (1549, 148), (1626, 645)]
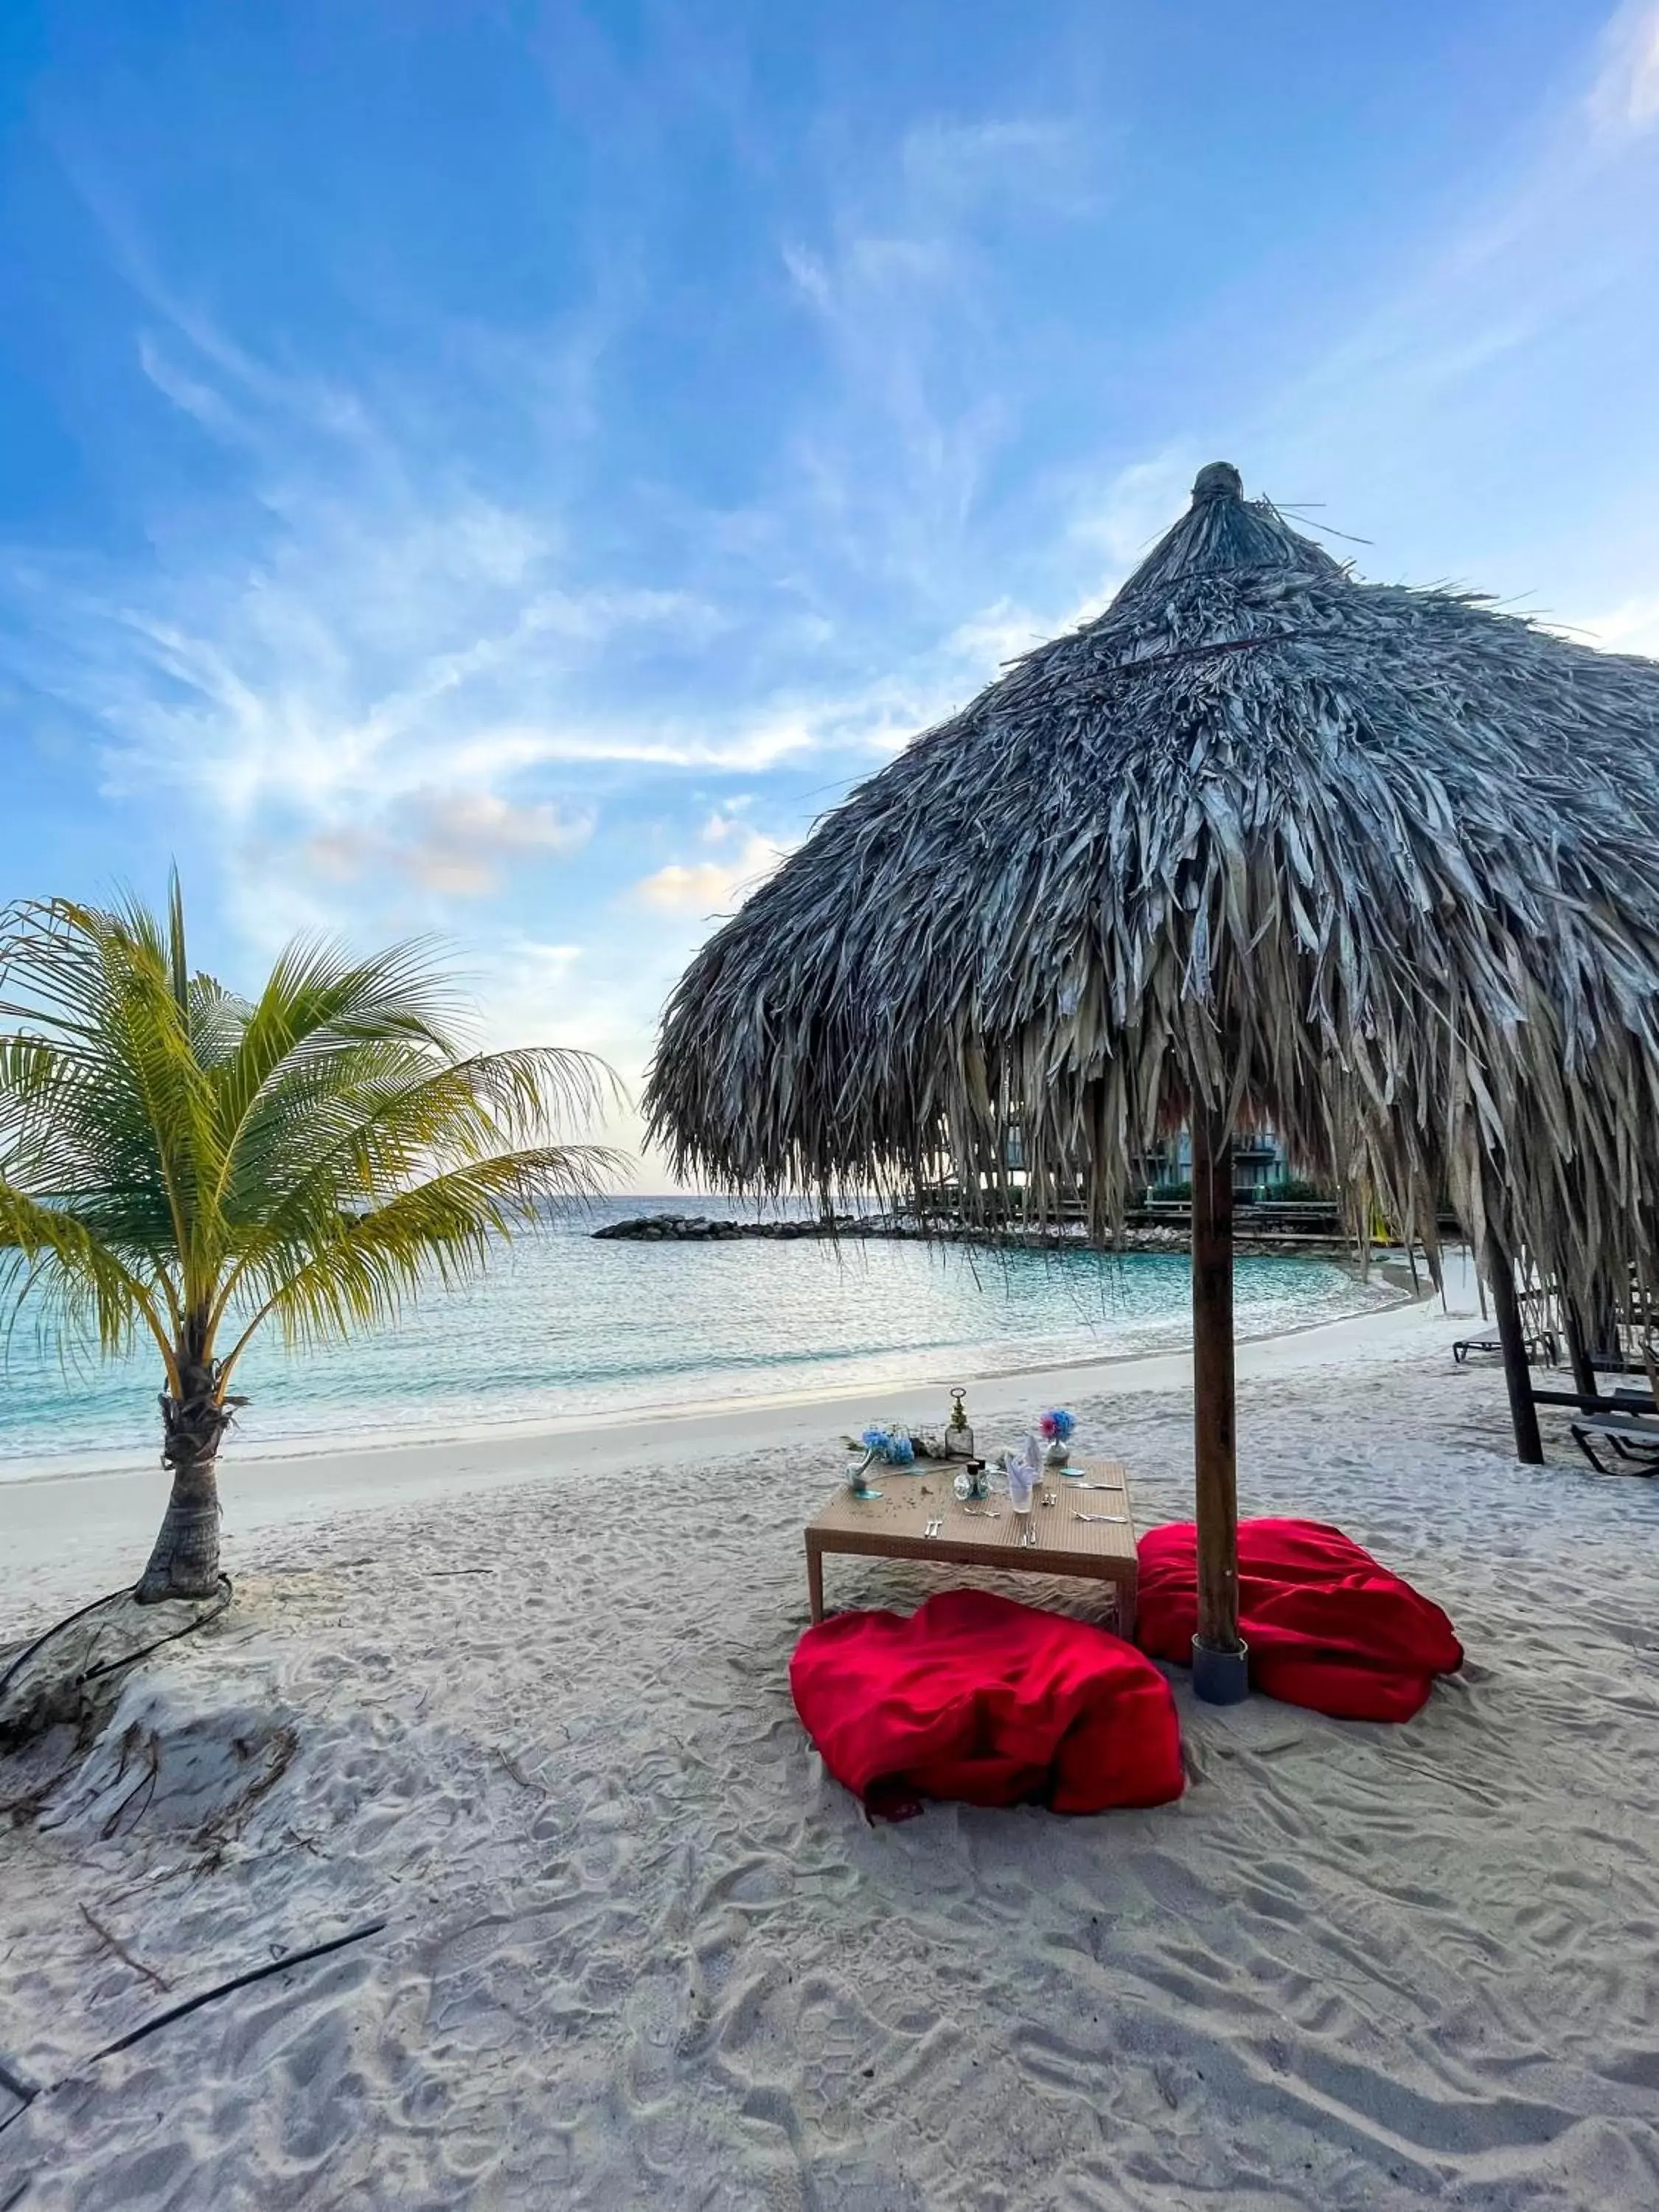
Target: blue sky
[(503, 469)]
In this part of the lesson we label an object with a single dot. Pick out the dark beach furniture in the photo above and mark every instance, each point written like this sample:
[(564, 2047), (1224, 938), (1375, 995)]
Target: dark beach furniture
[(1541, 1350), (1539, 1342), (1634, 1440)]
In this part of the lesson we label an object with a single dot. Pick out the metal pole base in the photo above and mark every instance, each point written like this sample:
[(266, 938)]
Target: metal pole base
[(1221, 1678)]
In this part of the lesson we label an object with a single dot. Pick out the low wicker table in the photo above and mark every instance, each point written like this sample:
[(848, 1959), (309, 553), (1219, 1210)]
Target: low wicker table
[(891, 1527)]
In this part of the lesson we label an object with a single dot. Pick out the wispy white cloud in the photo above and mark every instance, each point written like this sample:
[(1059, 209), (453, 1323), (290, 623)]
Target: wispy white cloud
[(1482, 414), (1629, 626), (537, 990), (699, 888), (1048, 163), (342, 668), (192, 395), (457, 844), (739, 744), (373, 647), (1106, 529), (1123, 517), (356, 669), (529, 991), (725, 822), (899, 283), (1625, 97)]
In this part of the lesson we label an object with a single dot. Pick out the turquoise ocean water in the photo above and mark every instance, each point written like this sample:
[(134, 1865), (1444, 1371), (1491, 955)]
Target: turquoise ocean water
[(563, 1327)]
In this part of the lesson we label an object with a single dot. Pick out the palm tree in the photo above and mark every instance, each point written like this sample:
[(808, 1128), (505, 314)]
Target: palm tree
[(181, 1166)]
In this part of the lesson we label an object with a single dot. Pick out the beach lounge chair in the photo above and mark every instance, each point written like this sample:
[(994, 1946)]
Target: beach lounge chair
[(1541, 1350), (1631, 1435), (1541, 1344), (1628, 1424)]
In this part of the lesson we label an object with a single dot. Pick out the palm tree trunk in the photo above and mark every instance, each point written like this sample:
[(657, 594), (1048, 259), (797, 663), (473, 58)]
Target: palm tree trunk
[(186, 1560)]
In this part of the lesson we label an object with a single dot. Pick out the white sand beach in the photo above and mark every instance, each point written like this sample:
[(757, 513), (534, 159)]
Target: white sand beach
[(528, 1702)]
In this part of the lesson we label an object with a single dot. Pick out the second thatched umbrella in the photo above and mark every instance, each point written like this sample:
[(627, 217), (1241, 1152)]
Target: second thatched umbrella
[(1262, 845)]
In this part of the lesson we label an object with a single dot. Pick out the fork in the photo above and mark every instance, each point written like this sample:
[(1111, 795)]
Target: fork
[(1122, 1518)]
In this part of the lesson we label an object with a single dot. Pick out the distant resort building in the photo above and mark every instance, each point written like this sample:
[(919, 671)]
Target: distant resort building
[(1261, 1172), (1262, 1176)]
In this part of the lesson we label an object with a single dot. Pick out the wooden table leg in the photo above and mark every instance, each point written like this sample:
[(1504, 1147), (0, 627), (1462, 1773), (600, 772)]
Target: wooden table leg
[(814, 1577)]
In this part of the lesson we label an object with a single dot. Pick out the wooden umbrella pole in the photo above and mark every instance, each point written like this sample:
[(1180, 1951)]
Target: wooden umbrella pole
[(1578, 1352), (1518, 1372), (1213, 1383)]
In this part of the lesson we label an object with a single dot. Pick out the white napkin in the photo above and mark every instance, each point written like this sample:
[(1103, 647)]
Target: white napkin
[(1025, 1475)]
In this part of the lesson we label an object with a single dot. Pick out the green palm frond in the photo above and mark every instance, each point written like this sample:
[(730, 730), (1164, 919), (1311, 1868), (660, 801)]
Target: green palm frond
[(342, 1149), (172, 1154), (318, 1003), (90, 1289), (439, 1231), (126, 1109)]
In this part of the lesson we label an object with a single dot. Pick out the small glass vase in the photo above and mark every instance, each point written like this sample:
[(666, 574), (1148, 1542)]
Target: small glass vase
[(1056, 1453), (858, 1476)]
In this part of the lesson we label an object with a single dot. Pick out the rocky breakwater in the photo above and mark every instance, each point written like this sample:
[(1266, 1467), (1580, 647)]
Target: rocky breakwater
[(707, 1229), (1137, 1236)]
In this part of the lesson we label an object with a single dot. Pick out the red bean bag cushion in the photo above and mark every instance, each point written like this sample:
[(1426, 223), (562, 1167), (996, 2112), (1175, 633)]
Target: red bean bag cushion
[(1327, 1626), (978, 1698)]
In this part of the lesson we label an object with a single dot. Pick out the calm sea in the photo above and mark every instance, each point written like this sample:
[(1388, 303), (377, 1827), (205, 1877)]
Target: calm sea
[(562, 1326)]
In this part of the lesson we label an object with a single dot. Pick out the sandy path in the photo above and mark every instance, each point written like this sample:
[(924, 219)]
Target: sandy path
[(642, 1953)]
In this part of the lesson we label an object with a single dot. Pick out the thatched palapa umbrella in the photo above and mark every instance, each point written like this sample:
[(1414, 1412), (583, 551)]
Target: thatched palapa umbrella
[(1262, 845)]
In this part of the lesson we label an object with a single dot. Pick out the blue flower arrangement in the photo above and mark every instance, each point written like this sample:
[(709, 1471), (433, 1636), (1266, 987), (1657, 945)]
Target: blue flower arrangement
[(1058, 1427), (891, 1446)]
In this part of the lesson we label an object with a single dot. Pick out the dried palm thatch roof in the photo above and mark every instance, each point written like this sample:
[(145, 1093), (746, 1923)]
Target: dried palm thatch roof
[(1375, 864)]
